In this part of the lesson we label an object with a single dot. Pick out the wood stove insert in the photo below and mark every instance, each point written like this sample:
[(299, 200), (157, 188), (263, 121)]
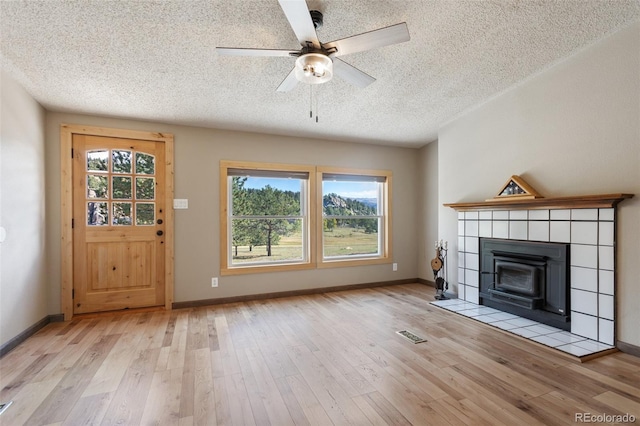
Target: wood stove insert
[(526, 278)]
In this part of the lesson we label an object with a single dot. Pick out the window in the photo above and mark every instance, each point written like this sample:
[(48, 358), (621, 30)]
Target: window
[(267, 222), (355, 215), (276, 217)]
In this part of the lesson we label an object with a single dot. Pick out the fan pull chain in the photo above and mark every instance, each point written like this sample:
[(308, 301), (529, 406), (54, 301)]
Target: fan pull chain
[(311, 103)]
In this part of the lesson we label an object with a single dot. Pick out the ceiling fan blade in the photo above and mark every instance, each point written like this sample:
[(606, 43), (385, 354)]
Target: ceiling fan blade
[(239, 51), (289, 82), (370, 40), (351, 74), (299, 18)]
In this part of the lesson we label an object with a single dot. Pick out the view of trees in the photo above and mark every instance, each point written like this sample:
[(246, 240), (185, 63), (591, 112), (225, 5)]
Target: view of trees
[(337, 205), (338, 211), (263, 215), (121, 185)]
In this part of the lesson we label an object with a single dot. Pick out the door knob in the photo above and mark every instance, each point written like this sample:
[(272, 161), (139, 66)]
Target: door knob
[(159, 233)]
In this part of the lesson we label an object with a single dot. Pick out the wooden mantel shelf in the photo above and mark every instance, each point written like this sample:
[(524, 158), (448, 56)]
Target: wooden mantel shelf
[(578, 202)]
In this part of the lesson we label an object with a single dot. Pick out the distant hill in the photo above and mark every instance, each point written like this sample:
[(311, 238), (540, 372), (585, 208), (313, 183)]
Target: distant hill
[(336, 205), (371, 202)]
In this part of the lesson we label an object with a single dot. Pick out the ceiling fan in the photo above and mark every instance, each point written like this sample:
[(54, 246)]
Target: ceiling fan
[(317, 62)]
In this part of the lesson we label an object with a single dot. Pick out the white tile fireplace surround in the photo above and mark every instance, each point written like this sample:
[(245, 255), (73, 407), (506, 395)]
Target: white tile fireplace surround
[(591, 235), (561, 340)]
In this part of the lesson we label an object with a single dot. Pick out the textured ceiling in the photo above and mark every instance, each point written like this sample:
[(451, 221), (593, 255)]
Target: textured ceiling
[(156, 60)]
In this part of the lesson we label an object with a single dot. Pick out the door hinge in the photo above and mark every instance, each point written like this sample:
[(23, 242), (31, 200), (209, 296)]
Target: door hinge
[(71, 152), (73, 293), (73, 223)]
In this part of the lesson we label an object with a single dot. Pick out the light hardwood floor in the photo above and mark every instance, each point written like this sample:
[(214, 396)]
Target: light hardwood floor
[(324, 359)]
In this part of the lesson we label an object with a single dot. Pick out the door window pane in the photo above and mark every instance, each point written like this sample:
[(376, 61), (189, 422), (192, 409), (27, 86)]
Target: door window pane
[(145, 213), (97, 186), (121, 161), (145, 164), (122, 187), (97, 213), (145, 188), (98, 161), (122, 213)]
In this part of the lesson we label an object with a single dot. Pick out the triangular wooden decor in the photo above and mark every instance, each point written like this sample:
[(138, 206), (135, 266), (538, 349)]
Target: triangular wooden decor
[(516, 187)]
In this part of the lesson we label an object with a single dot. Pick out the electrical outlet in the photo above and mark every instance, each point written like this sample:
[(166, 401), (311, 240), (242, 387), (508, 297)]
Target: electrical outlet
[(394, 267), (214, 282)]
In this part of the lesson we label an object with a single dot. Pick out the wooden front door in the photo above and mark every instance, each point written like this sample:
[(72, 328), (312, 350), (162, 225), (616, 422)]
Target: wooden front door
[(118, 223)]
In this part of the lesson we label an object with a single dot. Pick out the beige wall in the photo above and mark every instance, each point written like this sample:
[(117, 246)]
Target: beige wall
[(428, 210), (197, 155), (572, 130), (23, 291)]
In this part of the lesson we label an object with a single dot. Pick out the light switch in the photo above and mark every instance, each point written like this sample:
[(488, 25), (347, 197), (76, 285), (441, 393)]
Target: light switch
[(180, 203)]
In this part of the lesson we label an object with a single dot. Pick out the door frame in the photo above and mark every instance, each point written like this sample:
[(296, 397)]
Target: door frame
[(66, 204)]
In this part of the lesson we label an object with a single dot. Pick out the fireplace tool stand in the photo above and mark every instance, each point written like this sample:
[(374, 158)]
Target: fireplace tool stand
[(438, 265)]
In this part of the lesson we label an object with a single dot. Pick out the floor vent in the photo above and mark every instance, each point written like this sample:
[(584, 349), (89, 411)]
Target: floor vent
[(4, 406), (411, 336)]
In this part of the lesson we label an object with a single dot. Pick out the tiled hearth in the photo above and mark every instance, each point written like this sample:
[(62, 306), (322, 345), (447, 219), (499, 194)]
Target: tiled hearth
[(561, 340), (591, 235)]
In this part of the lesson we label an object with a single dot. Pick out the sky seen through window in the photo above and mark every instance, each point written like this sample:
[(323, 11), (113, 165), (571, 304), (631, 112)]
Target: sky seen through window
[(356, 190)]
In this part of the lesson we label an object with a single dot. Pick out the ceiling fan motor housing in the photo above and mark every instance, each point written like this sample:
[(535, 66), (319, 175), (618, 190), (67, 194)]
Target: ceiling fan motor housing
[(316, 18)]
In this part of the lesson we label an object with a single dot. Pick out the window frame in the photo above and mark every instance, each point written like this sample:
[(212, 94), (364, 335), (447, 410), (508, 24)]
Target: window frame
[(308, 206), (314, 219), (384, 210)]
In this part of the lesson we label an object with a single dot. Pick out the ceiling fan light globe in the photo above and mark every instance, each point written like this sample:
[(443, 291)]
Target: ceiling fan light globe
[(314, 68)]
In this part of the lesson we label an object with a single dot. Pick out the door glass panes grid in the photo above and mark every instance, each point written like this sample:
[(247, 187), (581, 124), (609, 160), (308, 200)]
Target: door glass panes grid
[(120, 188)]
